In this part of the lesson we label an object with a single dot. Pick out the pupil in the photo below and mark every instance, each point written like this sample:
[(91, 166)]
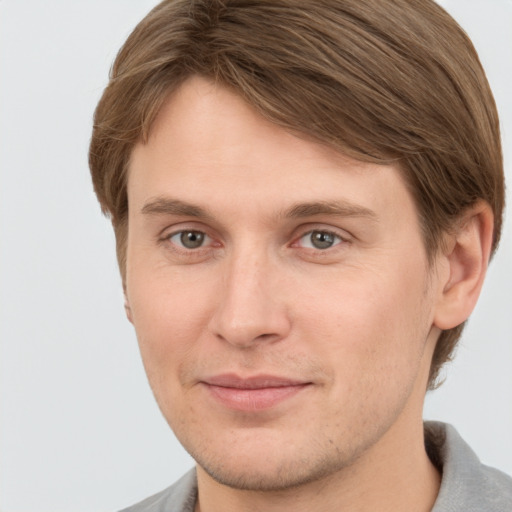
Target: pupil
[(322, 240), (192, 239)]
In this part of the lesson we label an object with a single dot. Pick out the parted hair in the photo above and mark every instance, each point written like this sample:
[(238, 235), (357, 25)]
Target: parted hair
[(379, 80)]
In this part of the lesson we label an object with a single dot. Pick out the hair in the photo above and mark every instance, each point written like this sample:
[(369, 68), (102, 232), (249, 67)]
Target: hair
[(379, 80)]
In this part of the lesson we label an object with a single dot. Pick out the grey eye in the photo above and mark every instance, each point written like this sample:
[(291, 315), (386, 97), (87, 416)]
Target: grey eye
[(319, 240), (189, 239)]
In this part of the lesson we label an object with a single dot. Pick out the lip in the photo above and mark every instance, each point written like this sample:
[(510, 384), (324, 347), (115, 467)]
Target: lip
[(255, 393)]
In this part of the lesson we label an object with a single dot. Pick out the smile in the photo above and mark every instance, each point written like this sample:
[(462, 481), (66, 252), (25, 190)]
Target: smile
[(254, 393)]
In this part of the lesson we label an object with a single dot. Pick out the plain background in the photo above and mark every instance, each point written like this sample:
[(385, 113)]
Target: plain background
[(79, 427)]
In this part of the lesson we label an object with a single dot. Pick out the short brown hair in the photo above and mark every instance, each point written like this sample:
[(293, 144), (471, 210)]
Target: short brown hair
[(379, 80)]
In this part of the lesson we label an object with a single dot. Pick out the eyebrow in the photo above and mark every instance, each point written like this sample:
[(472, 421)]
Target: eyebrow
[(167, 206), (337, 208)]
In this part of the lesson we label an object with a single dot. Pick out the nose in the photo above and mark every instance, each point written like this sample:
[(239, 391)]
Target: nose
[(251, 307)]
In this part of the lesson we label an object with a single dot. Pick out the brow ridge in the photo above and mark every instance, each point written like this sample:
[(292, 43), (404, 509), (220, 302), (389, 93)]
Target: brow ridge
[(339, 208), (167, 206)]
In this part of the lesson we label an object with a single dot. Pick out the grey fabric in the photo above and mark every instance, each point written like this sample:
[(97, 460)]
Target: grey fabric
[(466, 486), (179, 497)]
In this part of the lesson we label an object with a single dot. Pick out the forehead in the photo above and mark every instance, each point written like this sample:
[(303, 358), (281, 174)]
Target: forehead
[(208, 146), (213, 120)]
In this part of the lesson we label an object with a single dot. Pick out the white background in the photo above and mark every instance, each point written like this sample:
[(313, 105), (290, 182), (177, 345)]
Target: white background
[(79, 427)]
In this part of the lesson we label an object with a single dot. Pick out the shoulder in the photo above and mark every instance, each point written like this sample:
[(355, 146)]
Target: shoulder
[(467, 485), (179, 497)]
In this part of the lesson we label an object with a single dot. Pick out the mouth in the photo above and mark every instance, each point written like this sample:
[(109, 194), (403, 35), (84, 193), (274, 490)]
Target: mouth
[(252, 394)]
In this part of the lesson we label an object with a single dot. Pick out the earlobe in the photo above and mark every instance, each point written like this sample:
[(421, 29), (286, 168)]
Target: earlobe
[(467, 256)]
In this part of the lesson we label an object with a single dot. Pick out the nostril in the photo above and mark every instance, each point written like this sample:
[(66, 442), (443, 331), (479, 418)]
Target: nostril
[(265, 337), (247, 341)]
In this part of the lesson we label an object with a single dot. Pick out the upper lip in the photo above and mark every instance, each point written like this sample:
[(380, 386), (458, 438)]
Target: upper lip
[(230, 380)]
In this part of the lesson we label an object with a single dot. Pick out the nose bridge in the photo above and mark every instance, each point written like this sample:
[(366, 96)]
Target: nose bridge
[(250, 308)]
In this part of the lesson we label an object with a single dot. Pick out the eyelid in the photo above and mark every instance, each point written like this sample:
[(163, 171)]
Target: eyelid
[(181, 246), (343, 235), (310, 245), (165, 235), (179, 227)]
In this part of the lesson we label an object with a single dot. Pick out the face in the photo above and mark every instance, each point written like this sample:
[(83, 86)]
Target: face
[(280, 293)]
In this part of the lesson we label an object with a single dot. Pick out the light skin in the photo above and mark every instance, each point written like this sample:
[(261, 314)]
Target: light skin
[(285, 309)]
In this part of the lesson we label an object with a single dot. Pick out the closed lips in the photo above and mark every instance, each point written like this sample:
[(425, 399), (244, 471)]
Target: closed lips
[(254, 393)]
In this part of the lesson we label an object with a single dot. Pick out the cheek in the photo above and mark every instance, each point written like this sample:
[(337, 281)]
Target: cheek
[(370, 328), (373, 352), (169, 317)]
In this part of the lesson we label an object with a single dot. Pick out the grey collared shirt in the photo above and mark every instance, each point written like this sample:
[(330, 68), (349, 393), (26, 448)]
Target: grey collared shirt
[(466, 486)]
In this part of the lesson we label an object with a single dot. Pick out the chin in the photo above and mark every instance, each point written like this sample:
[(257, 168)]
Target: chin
[(270, 466), (275, 477)]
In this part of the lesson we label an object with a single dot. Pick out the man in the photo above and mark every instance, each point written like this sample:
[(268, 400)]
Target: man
[(305, 197)]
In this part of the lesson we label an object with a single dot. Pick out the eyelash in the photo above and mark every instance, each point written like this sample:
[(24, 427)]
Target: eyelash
[(176, 247), (200, 251), (338, 239)]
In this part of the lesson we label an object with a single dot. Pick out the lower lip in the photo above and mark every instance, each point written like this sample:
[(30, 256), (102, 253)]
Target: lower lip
[(254, 399)]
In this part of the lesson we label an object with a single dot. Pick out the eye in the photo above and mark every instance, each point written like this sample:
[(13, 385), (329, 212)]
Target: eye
[(320, 240), (189, 239)]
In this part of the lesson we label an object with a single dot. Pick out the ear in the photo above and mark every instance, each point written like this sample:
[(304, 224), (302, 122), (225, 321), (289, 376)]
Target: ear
[(127, 307), (467, 254)]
